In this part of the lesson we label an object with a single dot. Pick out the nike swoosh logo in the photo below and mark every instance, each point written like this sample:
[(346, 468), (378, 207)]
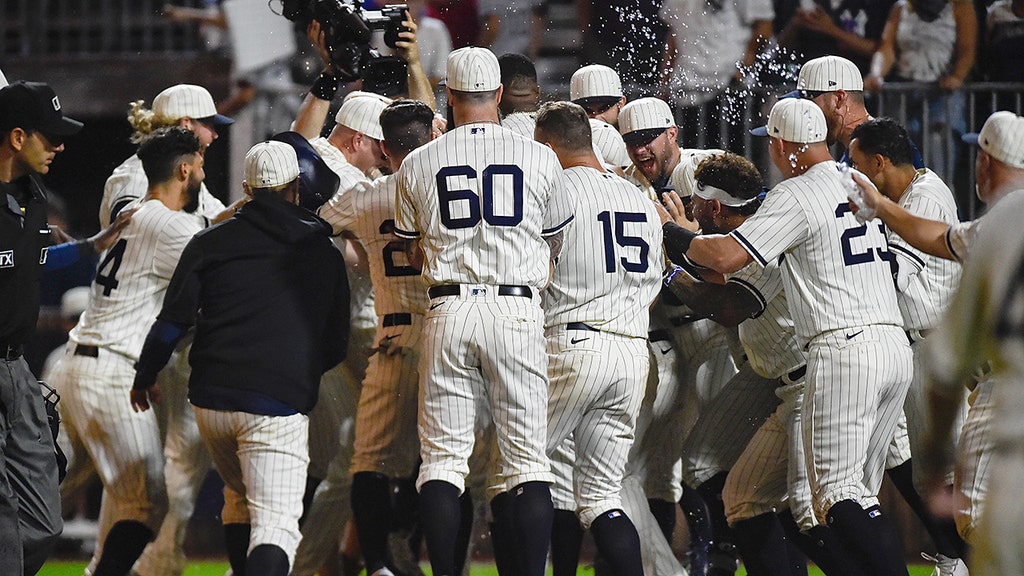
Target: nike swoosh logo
[(432, 306), (578, 340), (854, 335), (665, 351)]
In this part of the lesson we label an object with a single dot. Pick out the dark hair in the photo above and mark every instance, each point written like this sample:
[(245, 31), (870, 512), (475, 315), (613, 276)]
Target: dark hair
[(161, 151), (884, 136), (516, 68), (406, 125), (564, 125), (734, 174), (473, 98)]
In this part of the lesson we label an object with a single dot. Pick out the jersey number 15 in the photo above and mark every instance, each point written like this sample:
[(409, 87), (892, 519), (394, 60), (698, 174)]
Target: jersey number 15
[(617, 221)]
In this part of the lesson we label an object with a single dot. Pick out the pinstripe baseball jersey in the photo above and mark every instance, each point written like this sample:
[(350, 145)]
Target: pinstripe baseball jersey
[(368, 211), (132, 277), (608, 143), (605, 293), (634, 176), (338, 164), (482, 197), (522, 123), (934, 280), (835, 271), (769, 338), (128, 182)]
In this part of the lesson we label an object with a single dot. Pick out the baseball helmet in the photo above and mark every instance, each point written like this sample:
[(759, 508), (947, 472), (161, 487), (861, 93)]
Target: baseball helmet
[(317, 182)]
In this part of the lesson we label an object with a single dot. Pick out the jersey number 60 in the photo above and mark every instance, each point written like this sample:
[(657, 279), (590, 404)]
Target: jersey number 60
[(446, 196)]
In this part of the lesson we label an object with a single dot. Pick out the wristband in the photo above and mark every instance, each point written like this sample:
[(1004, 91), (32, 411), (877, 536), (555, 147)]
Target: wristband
[(677, 241), (325, 87), (671, 275)]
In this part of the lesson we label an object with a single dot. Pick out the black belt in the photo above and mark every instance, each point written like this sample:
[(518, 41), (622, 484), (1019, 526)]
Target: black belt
[(797, 373), (456, 289), (580, 326), (917, 335), (397, 319), (659, 336), (11, 351), (684, 320), (87, 350)]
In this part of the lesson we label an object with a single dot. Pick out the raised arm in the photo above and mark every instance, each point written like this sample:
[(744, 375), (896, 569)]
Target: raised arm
[(928, 236), (316, 105)]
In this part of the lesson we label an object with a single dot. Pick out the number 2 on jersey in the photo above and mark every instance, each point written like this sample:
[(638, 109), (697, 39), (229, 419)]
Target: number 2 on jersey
[(390, 267), (618, 221), (113, 259), (445, 196), (851, 258)]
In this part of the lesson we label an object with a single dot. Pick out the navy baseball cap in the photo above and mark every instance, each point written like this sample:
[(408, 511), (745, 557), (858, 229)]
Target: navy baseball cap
[(34, 106)]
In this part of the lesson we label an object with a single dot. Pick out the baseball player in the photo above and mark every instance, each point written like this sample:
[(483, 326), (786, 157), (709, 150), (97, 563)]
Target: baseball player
[(704, 363), (984, 323), (352, 151), (271, 286), (1000, 170), (596, 325), (487, 207), (519, 77), (96, 372), (386, 445), (836, 277), (880, 149), (186, 458), (598, 89)]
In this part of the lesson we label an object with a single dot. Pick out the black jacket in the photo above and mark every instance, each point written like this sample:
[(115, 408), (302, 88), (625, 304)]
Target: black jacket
[(24, 238), (268, 294)]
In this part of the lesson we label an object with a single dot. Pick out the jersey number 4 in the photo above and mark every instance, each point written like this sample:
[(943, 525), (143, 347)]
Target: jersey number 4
[(617, 221), (509, 173), (108, 279)]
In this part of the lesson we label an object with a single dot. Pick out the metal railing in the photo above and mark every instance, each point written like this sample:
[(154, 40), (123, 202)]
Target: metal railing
[(93, 28)]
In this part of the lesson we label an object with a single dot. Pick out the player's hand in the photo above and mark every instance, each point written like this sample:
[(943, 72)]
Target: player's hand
[(677, 210), (141, 399), (872, 197), (319, 41), (58, 236), (407, 47), (105, 238), (438, 127)]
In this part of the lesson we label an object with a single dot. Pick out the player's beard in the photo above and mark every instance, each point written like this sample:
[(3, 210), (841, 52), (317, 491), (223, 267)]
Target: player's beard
[(192, 194)]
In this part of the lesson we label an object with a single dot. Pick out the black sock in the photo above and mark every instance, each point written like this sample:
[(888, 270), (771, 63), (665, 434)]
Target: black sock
[(797, 559), (268, 560), (371, 510), (307, 496), (762, 545), (664, 513), (503, 535), (892, 543), (441, 516), (465, 531), (697, 517), (722, 559), (942, 530), (821, 546), (532, 514), (236, 540), (616, 538), (860, 535), (566, 539), (123, 546)]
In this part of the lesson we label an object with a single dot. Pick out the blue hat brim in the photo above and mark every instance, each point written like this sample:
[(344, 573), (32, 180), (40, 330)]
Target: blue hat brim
[(971, 137), (761, 131), (317, 182), (792, 94)]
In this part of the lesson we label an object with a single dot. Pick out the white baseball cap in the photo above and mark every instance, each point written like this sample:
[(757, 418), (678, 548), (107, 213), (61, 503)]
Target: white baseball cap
[(270, 164), (644, 119), (797, 120), (828, 74), (188, 101), (360, 111), (473, 69), (3, 79), (74, 302), (683, 179), (1002, 137), (594, 81)]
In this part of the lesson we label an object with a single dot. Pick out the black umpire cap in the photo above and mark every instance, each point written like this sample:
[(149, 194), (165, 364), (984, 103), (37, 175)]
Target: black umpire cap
[(34, 106)]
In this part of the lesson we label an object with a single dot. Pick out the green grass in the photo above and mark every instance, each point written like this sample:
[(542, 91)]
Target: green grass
[(218, 569)]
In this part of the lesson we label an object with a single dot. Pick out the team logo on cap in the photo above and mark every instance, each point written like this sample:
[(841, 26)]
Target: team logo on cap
[(56, 103)]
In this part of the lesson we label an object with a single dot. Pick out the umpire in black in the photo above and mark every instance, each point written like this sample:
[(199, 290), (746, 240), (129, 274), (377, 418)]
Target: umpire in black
[(32, 131), (268, 295)]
